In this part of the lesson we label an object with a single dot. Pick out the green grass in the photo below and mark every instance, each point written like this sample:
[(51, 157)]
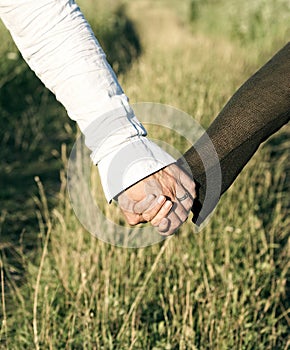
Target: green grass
[(223, 288)]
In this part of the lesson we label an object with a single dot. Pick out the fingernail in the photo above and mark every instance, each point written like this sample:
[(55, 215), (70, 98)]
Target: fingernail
[(163, 222), (151, 197), (163, 226), (161, 199), (168, 204)]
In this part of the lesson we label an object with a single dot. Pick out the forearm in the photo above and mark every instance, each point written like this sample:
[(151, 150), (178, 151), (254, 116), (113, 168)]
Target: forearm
[(59, 45), (257, 110)]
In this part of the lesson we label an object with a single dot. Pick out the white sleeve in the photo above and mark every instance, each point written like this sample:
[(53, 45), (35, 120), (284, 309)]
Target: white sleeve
[(60, 47)]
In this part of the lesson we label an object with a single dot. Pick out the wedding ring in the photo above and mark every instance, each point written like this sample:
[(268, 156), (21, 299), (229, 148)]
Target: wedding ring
[(186, 195)]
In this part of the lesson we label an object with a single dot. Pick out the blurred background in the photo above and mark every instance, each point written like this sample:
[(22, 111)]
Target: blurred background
[(226, 287)]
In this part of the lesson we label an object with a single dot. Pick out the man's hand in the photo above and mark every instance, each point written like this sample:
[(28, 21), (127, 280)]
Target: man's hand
[(163, 198)]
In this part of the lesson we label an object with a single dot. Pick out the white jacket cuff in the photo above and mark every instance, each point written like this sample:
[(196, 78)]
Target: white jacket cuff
[(135, 160)]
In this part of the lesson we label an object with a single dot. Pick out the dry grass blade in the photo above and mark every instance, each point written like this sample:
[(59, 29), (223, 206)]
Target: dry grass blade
[(142, 289), (44, 252)]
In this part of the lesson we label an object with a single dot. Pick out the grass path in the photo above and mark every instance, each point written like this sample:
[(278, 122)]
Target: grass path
[(181, 68)]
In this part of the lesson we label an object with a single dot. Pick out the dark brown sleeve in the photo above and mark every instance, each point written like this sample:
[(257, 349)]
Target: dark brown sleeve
[(257, 110)]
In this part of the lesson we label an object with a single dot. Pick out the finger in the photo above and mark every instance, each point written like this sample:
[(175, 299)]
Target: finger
[(149, 212), (158, 212), (126, 203), (188, 184), (164, 225), (185, 203), (132, 218), (186, 180), (148, 203), (173, 224), (180, 212), (163, 212), (155, 205)]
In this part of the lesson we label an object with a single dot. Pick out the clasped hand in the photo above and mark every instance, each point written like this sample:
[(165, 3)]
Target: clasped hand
[(164, 198)]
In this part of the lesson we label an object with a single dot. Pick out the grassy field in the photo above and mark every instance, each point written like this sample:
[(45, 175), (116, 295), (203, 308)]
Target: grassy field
[(226, 287)]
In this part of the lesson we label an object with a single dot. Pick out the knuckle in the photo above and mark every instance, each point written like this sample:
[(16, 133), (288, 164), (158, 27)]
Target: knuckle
[(137, 209), (192, 186), (147, 217), (184, 218), (188, 204), (154, 222)]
